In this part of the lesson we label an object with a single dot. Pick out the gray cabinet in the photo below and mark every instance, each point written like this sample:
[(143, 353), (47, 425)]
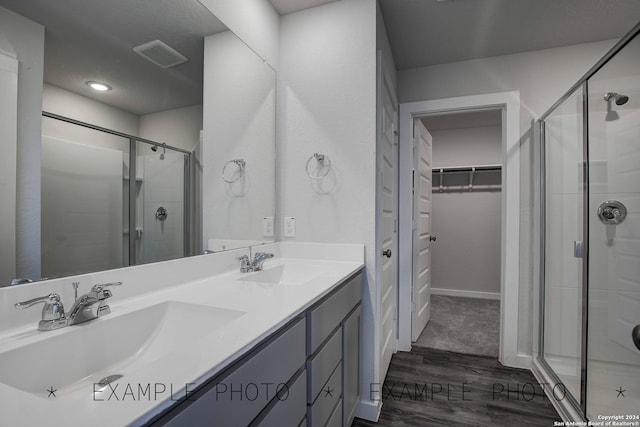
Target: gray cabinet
[(305, 374), (242, 392), (333, 356), (351, 342)]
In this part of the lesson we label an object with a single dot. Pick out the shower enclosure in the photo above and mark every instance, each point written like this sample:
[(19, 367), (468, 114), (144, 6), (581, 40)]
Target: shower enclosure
[(589, 343), (109, 199)]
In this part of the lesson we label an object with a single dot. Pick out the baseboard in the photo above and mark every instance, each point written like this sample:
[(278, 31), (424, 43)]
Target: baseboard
[(465, 294), (369, 410), (523, 361)]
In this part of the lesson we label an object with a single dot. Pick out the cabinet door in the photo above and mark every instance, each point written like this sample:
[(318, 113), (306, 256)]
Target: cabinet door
[(351, 364), (236, 397)]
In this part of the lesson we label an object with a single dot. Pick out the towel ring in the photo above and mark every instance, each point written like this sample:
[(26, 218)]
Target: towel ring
[(324, 162), (240, 164)]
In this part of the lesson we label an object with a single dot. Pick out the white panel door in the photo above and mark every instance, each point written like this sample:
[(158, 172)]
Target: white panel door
[(421, 310), (387, 214)]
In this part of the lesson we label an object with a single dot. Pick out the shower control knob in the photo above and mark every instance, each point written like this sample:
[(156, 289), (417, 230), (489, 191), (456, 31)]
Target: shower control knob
[(432, 238), (612, 212), (161, 214), (387, 253)]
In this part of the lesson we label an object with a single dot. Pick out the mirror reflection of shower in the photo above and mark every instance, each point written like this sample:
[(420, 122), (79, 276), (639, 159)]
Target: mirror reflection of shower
[(164, 150), (619, 99)]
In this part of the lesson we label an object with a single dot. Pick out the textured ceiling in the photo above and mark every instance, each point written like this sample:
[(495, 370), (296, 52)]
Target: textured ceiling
[(93, 40), (427, 32)]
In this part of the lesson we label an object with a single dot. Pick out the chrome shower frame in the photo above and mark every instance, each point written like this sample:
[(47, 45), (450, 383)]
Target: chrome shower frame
[(569, 409), (189, 195)]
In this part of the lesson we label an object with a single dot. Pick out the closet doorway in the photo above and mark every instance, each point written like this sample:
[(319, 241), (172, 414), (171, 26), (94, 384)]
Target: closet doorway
[(457, 212), (508, 104)]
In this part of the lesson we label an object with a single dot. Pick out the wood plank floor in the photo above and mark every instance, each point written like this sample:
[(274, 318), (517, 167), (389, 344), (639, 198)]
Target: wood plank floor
[(429, 387)]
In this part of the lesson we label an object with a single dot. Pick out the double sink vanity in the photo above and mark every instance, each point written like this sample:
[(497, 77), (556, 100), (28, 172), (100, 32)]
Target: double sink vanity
[(195, 342)]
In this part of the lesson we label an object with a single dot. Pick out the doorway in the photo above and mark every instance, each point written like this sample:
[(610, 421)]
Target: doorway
[(508, 104)]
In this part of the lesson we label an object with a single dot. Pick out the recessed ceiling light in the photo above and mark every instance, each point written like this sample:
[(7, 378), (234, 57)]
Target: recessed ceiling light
[(101, 87)]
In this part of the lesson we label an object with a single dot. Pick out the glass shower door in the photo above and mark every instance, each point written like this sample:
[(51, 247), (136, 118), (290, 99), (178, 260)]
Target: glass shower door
[(613, 369), (160, 203), (563, 225)]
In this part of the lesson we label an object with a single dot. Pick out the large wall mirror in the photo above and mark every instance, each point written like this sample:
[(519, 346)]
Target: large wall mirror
[(141, 131)]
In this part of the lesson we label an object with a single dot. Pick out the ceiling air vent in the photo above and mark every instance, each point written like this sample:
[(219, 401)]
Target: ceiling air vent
[(160, 54)]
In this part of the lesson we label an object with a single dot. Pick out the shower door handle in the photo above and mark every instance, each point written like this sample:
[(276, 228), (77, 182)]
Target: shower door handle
[(578, 249)]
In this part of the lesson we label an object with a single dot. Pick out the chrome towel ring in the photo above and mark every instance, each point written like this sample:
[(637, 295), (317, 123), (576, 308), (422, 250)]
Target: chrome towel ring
[(324, 164), (234, 174)]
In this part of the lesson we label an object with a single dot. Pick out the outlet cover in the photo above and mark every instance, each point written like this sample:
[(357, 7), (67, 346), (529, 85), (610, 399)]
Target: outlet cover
[(267, 226), (289, 226)]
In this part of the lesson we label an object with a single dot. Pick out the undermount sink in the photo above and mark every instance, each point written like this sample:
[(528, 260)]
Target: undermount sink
[(286, 274), (83, 355)]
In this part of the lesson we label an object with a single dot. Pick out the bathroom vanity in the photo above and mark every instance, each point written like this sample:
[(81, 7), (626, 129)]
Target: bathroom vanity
[(275, 347), (316, 355)]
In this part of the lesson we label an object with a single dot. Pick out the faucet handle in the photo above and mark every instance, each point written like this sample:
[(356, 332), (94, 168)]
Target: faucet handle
[(245, 263), (52, 298), (100, 287), (52, 313)]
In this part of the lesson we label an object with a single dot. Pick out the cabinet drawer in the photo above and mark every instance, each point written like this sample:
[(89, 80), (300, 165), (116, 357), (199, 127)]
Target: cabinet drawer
[(325, 317), (322, 365), (238, 395), (289, 409), (351, 339), (322, 409), (336, 417)]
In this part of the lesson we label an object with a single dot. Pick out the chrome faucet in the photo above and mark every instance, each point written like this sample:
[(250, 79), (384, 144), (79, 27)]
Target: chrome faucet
[(92, 304), (245, 264), (52, 313), (88, 307), (259, 259)]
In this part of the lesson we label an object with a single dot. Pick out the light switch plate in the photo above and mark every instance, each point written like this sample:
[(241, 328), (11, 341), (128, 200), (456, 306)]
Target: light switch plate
[(267, 226), (289, 226)]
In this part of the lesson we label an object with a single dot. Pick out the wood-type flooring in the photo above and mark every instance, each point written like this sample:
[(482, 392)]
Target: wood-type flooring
[(429, 387)]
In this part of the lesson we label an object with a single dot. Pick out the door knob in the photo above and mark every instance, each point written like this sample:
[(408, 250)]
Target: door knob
[(432, 238), (387, 253)]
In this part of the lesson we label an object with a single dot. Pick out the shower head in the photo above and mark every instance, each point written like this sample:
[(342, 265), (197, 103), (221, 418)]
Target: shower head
[(619, 99), (154, 148)]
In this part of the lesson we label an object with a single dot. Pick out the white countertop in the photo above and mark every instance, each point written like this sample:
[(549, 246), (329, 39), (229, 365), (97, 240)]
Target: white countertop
[(267, 307)]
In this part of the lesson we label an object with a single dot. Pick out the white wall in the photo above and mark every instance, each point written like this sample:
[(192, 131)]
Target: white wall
[(69, 104), (239, 106), (23, 39), (255, 21), (179, 128), (326, 103), (8, 146), (465, 260), (541, 77)]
